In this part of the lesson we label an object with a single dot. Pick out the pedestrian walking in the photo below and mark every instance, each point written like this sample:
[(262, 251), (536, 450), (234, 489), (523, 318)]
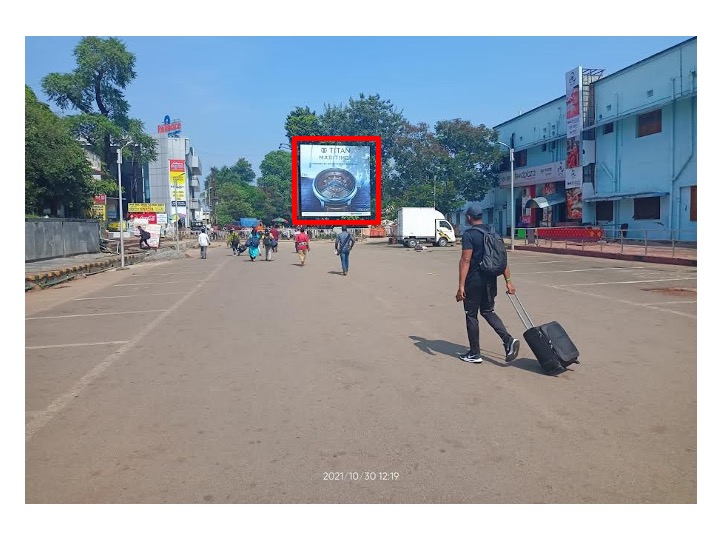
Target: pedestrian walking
[(267, 242), (302, 241), (343, 244), (204, 241), (235, 243), (275, 232), (477, 289), (144, 237), (253, 244)]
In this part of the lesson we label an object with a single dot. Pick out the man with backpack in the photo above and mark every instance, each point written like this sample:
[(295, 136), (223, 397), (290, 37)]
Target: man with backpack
[(483, 259), (144, 237), (269, 244)]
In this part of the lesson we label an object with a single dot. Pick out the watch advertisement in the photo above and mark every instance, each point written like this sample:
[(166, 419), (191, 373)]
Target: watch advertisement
[(334, 180)]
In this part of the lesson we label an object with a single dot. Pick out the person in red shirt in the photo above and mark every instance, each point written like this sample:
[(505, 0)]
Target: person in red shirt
[(302, 240), (275, 233)]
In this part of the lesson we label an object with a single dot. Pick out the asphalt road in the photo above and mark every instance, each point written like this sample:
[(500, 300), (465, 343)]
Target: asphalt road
[(226, 381)]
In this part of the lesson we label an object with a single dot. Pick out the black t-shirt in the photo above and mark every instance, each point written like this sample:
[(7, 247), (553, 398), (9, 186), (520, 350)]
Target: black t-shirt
[(473, 239)]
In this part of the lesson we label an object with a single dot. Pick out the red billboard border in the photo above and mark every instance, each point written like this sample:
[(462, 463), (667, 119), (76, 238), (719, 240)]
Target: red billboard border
[(296, 220)]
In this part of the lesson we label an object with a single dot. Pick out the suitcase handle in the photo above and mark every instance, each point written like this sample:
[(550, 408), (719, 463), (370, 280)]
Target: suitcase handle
[(522, 312)]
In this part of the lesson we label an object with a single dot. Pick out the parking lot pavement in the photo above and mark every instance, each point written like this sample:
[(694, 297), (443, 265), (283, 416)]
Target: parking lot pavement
[(222, 380)]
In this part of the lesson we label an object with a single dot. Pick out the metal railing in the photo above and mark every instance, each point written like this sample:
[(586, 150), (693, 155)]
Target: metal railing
[(680, 243)]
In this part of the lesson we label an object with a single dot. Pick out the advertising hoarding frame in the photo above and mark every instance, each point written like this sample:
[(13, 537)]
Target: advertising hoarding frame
[(296, 218)]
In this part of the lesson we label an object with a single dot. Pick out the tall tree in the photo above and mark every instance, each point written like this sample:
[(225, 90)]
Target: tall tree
[(240, 173), (276, 184), (472, 158), (95, 90), (302, 121), (57, 172)]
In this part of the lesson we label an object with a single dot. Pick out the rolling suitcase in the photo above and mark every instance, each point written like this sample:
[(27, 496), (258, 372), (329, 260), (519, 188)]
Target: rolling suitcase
[(549, 342)]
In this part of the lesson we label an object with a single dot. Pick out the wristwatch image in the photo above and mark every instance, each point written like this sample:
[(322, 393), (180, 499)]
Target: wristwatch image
[(335, 189)]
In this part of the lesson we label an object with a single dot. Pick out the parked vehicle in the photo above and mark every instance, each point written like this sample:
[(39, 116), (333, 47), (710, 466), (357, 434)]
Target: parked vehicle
[(416, 225)]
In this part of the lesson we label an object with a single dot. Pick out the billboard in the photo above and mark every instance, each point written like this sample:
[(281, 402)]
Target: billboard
[(334, 178), (531, 176), (574, 125), (146, 207), (177, 188), (171, 127)]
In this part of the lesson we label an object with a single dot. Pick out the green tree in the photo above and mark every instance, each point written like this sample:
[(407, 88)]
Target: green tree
[(57, 172), (95, 90), (233, 194), (240, 173), (302, 121), (276, 184), (473, 156), (235, 201)]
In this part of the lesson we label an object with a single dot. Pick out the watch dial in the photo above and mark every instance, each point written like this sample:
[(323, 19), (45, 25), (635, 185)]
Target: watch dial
[(335, 184)]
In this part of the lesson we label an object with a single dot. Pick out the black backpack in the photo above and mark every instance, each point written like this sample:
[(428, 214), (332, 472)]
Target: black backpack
[(267, 241), (494, 260)]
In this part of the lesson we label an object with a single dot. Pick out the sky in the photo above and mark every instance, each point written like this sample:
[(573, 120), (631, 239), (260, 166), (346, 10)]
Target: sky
[(485, 62), (233, 94)]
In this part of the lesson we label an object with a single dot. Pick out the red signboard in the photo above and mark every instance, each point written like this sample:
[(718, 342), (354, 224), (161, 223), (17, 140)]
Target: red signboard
[(177, 165), (100, 199), (174, 126), (150, 216)]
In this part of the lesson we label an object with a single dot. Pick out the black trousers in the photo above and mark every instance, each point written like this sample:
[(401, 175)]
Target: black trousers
[(480, 293)]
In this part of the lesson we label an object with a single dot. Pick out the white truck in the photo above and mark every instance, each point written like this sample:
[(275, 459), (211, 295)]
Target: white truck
[(415, 225)]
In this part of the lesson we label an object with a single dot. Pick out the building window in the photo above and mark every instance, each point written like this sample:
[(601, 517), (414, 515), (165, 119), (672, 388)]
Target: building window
[(647, 208), (608, 128), (521, 158), (693, 203), (544, 147), (604, 211), (649, 123)]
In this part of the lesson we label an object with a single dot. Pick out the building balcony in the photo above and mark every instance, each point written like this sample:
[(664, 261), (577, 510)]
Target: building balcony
[(195, 165)]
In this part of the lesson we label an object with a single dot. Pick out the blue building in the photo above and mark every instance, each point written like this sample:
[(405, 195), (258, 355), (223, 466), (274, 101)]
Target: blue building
[(617, 151)]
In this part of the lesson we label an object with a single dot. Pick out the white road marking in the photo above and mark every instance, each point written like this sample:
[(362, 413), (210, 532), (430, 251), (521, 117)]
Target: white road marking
[(126, 296), (93, 314), (154, 283), (629, 282), (604, 297), (171, 274), (75, 345), (537, 262), (675, 302), (64, 400), (580, 270)]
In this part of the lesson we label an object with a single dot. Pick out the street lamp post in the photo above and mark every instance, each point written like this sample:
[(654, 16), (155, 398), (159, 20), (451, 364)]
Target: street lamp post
[(120, 206), (512, 194)]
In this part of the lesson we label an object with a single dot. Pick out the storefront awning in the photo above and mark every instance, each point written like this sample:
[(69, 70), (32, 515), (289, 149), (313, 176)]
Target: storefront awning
[(616, 196), (546, 201)]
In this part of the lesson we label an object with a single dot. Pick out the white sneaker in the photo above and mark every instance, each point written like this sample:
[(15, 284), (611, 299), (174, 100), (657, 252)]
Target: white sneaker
[(471, 357)]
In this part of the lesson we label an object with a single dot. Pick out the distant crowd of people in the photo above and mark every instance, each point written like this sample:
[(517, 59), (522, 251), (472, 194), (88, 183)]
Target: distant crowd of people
[(264, 240)]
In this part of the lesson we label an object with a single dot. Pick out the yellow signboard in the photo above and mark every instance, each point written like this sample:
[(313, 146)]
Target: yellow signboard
[(141, 208), (98, 211)]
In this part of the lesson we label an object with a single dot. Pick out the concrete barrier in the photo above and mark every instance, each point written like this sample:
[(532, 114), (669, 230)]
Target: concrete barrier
[(49, 238)]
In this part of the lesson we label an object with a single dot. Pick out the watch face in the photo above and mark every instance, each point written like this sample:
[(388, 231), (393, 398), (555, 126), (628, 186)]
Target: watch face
[(334, 186)]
